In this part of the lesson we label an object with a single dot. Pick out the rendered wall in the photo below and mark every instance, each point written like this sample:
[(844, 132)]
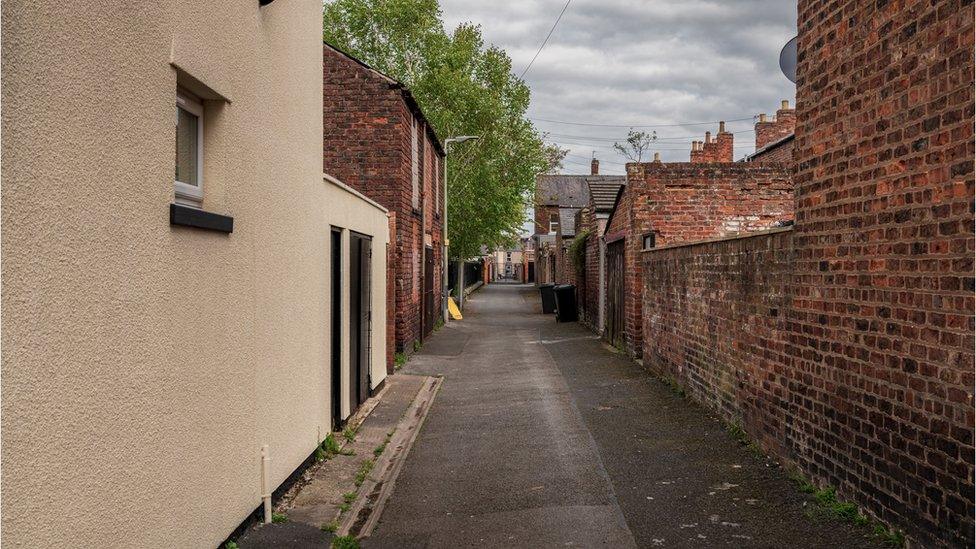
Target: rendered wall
[(144, 365)]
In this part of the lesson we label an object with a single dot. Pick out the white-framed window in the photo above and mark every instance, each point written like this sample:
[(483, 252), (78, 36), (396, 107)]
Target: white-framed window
[(415, 164), (188, 181), (553, 223)]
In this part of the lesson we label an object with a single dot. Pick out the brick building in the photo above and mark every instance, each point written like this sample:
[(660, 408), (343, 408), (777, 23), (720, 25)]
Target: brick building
[(593, 219), (775, 138), (669, 203), (378, 141), (857, 363), (557, 199)]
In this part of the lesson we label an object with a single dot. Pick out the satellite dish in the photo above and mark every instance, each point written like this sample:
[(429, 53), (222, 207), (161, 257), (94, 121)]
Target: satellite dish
[(787, 60)]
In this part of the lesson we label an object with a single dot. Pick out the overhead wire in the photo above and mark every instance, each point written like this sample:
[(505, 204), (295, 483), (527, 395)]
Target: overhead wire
[(544, 42)]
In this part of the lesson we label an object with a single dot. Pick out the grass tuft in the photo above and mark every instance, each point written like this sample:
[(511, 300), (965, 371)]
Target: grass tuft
[(399, 359), (349, 433), (363, 472), (330, 526), (279, 518), (230, 545), (345, 542), (673, 384)]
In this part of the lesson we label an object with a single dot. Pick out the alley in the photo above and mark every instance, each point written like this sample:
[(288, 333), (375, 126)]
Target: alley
[(541, 437)]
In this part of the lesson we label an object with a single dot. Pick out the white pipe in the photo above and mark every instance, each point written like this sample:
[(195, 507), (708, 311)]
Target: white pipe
[(265, 481)]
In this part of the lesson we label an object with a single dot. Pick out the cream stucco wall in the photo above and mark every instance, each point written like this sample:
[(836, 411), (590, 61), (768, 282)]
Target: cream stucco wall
[(144, 365)]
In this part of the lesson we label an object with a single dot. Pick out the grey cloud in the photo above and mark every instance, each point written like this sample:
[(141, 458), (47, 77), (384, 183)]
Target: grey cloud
[(641, 62)]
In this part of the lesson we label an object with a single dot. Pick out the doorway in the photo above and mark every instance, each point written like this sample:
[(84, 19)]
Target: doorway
[(336, 328), (360, 318), (615, 292)]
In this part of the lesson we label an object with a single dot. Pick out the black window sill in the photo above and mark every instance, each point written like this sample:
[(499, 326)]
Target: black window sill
[(193, 217)]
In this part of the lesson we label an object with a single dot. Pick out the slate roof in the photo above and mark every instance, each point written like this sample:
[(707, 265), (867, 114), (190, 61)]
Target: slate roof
[(774, 145), (562, 190)]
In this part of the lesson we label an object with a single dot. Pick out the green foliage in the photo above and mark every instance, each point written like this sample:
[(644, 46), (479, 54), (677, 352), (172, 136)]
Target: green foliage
[(464, 87), (330, 526), (673, 384), (345, 542), (345, 506), (399, 359), (279, 518), (417, 345), (577, 250), (230, 545), (349, 433), (349, 497), (438, 324)]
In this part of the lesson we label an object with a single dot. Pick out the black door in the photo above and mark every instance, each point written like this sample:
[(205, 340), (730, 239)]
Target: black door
[(531, 271), (429, 271), (615, 293), (336, 320), (360, 260)]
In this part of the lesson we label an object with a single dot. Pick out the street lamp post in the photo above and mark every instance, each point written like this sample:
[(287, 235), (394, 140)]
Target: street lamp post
[(444, 243)]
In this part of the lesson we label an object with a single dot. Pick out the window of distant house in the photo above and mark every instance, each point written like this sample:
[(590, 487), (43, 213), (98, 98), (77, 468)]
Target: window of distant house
[(648, 241), (189, 150), (553, 223), (415, 164)]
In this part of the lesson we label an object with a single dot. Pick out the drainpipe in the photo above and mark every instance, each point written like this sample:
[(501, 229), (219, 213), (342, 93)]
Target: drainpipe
[(265, 482)]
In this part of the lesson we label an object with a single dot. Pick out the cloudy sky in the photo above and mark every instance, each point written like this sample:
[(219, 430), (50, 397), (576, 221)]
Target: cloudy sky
[(656, 63)]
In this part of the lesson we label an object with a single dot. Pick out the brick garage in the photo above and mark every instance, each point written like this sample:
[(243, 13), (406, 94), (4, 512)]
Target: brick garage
[(371, 123), (858, 364), (683, 202)]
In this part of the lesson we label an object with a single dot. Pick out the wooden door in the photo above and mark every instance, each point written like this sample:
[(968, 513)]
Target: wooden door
[(615, 292)]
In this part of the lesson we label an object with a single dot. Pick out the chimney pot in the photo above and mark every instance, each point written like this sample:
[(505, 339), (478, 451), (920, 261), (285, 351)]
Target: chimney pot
[(786, 104), (708, 137), (594, 167), (657, 157), (721, 127), (762, 117)]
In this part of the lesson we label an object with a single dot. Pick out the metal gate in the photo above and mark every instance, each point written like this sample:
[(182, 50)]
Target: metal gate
[(615, 293)]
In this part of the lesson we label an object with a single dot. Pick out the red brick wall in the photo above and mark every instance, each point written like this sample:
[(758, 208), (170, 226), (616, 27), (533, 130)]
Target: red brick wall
[(391, 296), (367, 128), (685, 202), (718, 149), (715, 314), (846, 345), (780, 153), (883, 309)]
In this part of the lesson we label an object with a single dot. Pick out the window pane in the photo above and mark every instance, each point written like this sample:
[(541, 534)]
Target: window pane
[(186, 147)]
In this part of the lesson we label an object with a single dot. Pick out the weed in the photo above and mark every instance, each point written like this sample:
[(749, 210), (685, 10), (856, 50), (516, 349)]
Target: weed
[(330, 445), (379, 449), (737, 433), (319, 454), (349, 433), (230, 545), (330, 526), (363, 472), (890, 538), (399, 359), (345, 507), (349, 497), (673, 384), (279, 518), (345, 542), (417, 345), (438, 324)]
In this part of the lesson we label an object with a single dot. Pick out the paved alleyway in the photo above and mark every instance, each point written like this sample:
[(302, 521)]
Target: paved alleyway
[(542, 437)]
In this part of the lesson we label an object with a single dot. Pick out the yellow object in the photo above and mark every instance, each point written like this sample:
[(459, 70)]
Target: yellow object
[(453, 309)]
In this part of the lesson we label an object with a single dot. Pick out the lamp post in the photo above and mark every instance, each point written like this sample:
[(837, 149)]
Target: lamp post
[(445, 241)]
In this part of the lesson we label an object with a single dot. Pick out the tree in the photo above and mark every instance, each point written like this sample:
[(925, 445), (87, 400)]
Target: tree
[(464, 88), (554, 157), (638, 142)]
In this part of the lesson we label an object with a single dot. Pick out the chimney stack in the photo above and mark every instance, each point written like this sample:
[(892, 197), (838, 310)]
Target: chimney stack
[(594, 167), (771, 131), (657, 157)]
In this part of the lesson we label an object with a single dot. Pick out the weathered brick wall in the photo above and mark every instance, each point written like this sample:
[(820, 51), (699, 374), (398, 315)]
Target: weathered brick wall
[(367, 144), (391, 296), (846, 345), (590, 277), (883, 310), (714, 317), (685, 202)]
